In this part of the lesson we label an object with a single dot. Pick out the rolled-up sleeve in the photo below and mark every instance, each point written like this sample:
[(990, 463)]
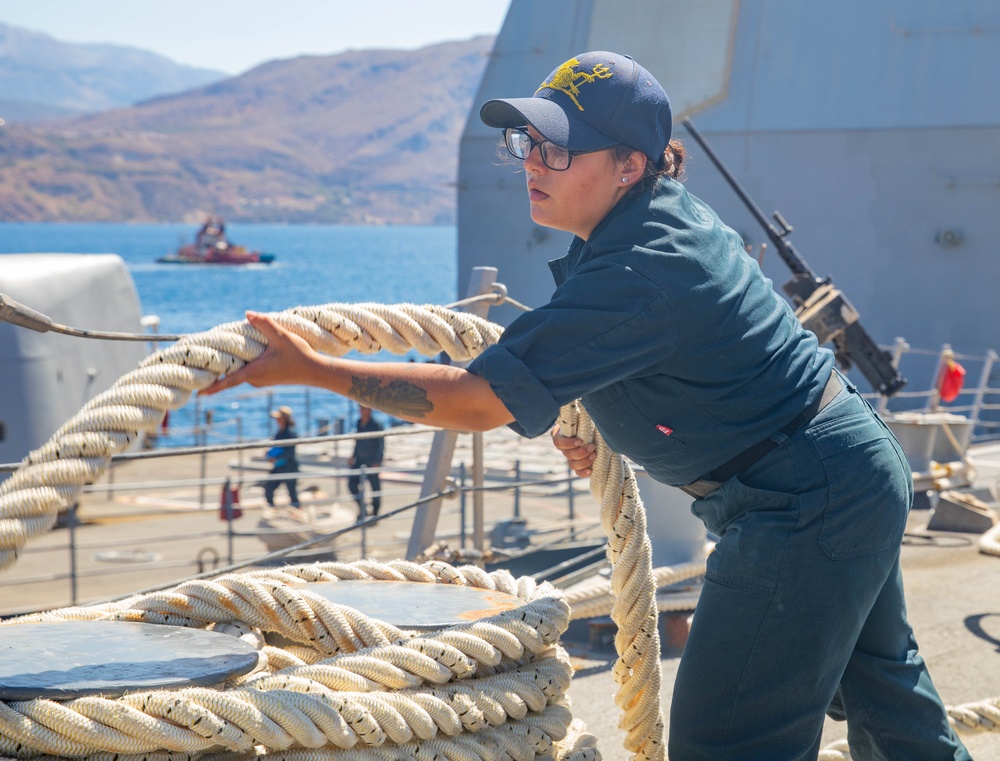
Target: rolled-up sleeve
[(525, 397), (604, 324)]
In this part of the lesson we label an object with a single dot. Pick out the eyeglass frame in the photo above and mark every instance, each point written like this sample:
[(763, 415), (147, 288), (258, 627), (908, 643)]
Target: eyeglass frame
[(541, 149)]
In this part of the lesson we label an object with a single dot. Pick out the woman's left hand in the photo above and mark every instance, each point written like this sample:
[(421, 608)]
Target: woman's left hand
[(287, 359), (580, 456)]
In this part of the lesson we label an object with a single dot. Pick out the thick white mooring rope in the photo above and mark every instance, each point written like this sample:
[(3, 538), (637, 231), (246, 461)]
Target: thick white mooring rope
[(354, 688), (637, 641)]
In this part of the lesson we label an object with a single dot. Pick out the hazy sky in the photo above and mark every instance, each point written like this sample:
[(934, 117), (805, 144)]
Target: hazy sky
[(235, 35)]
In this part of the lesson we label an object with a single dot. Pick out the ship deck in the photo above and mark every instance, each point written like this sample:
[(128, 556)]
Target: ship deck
[(125, 523)]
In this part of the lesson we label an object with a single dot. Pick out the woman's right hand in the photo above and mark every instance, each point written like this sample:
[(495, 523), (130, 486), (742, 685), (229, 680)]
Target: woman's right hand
[(287, 359), (580, 456)]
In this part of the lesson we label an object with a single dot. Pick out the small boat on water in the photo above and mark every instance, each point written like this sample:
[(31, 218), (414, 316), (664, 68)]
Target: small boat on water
[(212, 247)]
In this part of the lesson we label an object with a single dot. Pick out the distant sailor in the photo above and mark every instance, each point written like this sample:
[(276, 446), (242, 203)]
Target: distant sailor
[(283, 458), (368, 453)]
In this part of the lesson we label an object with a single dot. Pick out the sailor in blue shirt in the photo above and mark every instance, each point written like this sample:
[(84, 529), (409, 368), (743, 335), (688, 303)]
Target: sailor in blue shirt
[(667, 330), (691, 365)]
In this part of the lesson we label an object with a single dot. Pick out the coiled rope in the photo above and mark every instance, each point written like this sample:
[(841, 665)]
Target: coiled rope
[(491, 689), (52, 476)]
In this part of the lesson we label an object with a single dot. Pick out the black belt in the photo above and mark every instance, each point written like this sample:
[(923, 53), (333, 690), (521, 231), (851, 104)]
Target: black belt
[(741, 462)]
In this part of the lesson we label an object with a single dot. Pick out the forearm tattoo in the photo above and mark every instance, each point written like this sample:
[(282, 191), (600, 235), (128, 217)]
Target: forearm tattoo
[(396, 397)]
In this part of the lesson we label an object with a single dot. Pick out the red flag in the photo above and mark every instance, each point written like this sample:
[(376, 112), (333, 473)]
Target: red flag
[(951, 380)]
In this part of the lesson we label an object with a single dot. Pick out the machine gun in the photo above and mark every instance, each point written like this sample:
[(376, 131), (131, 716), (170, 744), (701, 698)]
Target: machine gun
[(819, 306)]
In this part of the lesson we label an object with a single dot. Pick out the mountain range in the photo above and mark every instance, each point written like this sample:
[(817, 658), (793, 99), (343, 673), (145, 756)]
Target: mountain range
[(362, 137), (43, 78)]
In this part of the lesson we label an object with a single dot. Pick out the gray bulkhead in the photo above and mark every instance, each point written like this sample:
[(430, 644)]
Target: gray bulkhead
[(873, 127), (46, 377)]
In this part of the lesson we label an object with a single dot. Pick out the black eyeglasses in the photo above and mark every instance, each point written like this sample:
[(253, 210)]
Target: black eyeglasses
[(519, 144)]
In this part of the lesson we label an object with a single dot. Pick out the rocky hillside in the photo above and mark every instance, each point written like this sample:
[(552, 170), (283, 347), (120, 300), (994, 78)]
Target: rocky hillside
[(362, 137), (41, 77)]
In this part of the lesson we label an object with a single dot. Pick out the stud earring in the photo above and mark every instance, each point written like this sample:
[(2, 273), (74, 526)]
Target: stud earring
[(624, 179)]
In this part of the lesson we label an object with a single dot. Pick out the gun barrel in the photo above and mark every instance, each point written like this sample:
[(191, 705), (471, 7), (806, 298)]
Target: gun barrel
[(785, 249)]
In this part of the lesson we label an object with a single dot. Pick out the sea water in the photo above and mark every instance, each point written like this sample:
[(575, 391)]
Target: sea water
[(314, 264)]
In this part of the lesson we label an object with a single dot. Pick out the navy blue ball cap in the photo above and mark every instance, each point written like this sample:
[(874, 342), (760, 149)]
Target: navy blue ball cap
[(593, 101)]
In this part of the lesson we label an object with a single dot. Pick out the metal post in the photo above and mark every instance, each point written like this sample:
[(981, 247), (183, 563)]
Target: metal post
[(71, 520), (897, 356), (197, 420), (984, 382), (935, 397), (517, 488), (426, 516), (338, 430), (478, 496), (308, 411), (239, 452), (204, 458), (461, 505), (570, 493)]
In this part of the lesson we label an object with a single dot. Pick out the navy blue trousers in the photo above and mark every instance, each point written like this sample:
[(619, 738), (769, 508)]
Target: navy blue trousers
[(802, 611), (270, 487), (354, 484)]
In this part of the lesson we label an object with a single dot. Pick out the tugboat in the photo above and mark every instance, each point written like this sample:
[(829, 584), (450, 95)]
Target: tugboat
[(212, 247)]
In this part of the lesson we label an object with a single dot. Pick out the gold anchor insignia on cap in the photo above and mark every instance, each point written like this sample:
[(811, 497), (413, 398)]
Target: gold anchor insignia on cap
[(566, 79)]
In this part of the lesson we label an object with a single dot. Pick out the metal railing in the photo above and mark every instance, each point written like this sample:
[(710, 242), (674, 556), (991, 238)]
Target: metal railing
[(188, 533), (978, 402)]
